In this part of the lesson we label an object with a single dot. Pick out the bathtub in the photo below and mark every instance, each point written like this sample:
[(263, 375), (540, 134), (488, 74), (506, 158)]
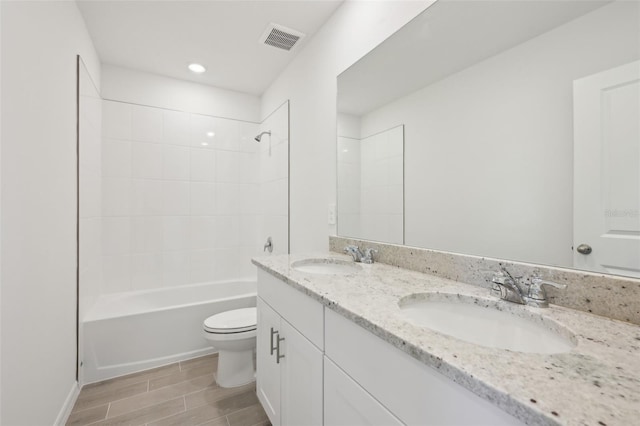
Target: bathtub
[(128, 332)]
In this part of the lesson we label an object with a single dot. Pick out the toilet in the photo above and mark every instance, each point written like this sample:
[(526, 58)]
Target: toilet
[(233, 333)]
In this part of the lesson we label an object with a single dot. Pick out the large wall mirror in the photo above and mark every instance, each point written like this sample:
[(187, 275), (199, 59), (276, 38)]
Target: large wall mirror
[(521, 128)]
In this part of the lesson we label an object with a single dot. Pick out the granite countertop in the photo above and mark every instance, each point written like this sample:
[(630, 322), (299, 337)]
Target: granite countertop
[(596, 383)]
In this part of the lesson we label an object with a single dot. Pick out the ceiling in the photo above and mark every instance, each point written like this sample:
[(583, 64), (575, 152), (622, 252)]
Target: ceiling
[(163, 37)]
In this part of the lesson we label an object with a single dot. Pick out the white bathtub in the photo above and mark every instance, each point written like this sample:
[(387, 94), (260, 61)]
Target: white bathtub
[(128, 332)]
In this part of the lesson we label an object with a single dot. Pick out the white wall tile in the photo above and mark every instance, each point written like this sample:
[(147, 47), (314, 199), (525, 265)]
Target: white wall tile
[(116, 158), (175, 162), (175, 268), (227, 231), (249, 231), (146, 160), (146, 197), (227, 166), (175, 127), (175, 232), (116, 274), (90, 195), (201, 232), (200, 127), (276, 228), (249, 198), (116, 234), (249, 167), (175, 198), (273, 197), (227, 198), (146, 124), (280, 157), (90, 240), (116, 197), (146, 271), (226, 264), (146, 234), (202, 199), (248, 131), (227, 134), (116, 121), (201, 266), (202, 165), (246, 269)]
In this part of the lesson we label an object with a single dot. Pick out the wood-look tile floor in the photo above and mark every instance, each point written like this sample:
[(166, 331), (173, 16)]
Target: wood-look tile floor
[(180, 394)]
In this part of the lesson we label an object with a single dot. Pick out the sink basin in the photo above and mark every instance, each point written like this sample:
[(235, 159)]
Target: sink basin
[(487, 323), (326, 266)]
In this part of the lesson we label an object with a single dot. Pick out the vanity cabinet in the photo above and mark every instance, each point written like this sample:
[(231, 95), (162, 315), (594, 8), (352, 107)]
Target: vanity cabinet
[(289, 364), (347, 403), (332, 371), (413, 392)]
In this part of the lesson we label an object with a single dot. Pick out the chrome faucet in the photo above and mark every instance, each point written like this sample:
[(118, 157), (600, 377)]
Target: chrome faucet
[(537, 296), (360, 256), (514, 289), (507, 287)]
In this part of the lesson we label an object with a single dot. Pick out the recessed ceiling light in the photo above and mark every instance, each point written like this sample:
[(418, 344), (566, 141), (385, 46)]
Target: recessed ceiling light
[(211, 134), (204, 143), (197, 68)]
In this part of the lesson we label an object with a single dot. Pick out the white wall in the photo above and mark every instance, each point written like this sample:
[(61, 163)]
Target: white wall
[(501, 184), (143, 88), (40, 41), (309, 82)]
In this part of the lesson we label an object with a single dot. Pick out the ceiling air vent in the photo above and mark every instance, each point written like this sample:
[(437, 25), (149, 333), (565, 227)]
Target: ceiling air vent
[(281, 37)]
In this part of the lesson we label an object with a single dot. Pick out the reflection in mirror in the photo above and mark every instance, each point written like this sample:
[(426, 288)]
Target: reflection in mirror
[(370, 182), (522, 135)]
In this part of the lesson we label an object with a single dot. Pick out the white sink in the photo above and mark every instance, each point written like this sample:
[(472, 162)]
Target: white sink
[(326, 266), (487, 323)]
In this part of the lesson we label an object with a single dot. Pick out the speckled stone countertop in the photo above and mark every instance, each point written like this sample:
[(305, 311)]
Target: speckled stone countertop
[(596, 383)]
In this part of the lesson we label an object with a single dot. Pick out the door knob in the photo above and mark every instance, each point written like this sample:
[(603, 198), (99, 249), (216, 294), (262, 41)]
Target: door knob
[(584, 249)]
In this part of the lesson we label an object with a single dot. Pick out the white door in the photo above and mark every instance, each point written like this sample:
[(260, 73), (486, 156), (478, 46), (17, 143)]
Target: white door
[(301, 375), (267, 370), (607, 171)]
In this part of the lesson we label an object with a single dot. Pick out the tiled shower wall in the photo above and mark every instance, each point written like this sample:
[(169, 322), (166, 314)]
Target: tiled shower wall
[(381, 191), (370, 191), (274, 181), (89, 188), (180, 198)]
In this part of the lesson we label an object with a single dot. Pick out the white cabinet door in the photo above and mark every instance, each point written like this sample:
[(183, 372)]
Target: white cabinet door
[(346, 403), (301, 379), (267, 370), (607, 170)]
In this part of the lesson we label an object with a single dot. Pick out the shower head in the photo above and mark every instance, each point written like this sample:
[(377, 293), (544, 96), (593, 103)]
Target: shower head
[(259, 137)]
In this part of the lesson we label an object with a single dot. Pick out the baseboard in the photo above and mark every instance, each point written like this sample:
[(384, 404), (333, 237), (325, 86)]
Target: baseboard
[(69, 402)]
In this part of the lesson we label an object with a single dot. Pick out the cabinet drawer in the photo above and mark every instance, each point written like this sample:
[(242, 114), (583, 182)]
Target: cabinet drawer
[(303, 313), (346, 403), (415, 393)]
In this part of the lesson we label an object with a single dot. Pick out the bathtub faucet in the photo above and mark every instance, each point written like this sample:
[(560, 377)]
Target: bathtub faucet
[(268, 245)]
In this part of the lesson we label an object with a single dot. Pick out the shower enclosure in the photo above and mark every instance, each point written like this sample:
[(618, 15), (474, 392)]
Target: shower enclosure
[(172, 199)]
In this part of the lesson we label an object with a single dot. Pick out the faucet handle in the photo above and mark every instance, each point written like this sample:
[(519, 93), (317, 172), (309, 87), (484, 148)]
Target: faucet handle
[(368, 255), (536, 289), (355, 252)]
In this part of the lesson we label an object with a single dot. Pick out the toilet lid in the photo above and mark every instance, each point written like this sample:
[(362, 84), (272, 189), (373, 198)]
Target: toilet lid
[(235, 321)]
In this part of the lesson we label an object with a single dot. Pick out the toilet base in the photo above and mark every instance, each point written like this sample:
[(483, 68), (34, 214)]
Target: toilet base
[(235, 368)]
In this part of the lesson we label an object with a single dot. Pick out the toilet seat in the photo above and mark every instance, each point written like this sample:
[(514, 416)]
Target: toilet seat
[(232, 322)]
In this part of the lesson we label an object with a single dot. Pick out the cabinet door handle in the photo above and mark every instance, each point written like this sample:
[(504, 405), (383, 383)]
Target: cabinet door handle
[(273, 333), (278, 356)]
